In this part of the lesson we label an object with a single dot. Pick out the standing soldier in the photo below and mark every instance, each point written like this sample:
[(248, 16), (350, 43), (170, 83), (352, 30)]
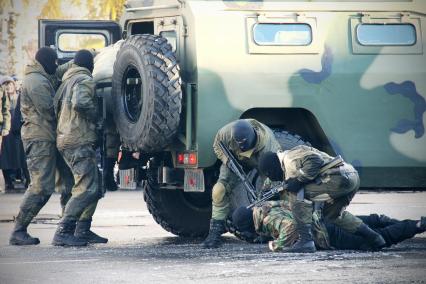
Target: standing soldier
[(300, 167), (4, 114), (76, 108), (38, 135), (247, 139)]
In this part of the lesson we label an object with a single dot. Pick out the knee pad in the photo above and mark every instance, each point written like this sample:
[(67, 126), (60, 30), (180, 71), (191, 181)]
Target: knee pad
[(218, 192)]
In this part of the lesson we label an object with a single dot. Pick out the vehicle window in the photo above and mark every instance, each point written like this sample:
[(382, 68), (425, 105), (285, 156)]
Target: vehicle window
[(282, 34), (171, 38), (386, 34), (70, 42)]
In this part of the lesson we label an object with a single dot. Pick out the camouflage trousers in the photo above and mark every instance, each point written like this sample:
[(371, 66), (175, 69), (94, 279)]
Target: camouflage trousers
[(64, 184), (41, 162), (336, 189), (87, 189)]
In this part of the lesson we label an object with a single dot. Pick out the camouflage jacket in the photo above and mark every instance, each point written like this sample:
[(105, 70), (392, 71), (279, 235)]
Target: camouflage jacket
[(266, 141), (38, 90), (5, 111), (303, 162), (275, 219), (76, 109)]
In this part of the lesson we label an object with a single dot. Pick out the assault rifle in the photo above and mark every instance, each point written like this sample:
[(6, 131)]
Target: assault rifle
[(301, 193), (237, 169), (100, 94)]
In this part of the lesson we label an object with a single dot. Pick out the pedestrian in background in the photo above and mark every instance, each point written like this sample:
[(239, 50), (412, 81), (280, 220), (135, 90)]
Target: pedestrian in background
[(12, 158), (4, 114)]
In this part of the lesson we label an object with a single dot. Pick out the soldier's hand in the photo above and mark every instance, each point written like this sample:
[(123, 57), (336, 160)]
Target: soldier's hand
[(4, 132)]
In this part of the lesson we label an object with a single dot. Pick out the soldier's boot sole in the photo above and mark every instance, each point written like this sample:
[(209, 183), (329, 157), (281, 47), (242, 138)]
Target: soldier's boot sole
[(91, 238), (298, 247), (21, 237), (28, 242), (212, 243), (68, 241)]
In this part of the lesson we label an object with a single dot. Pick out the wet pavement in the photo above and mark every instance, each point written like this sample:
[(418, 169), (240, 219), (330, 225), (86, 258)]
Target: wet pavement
[(140, 251)]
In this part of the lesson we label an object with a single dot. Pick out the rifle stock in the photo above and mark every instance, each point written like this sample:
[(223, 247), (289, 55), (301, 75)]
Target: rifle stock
[(235, 167)]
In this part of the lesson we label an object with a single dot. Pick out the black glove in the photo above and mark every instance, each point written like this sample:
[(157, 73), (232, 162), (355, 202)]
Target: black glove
[(293, 184)]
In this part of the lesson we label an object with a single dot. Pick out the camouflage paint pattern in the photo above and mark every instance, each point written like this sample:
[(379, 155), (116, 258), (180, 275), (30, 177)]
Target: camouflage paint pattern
[(369, 102)]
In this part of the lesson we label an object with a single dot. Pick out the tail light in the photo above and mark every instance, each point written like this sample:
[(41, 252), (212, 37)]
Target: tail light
[(187, 158)]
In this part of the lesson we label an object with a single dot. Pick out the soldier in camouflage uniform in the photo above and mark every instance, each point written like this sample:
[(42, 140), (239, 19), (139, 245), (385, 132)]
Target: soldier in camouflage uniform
[(76, 108), (5, 117), (274, 219), (300, 168), (38, 136), (247, 139)]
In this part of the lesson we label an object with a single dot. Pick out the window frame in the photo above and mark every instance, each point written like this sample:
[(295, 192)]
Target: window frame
[(283, 24), (169, 24), (79, 32), (383, 19), (385, 25), (292, 18)]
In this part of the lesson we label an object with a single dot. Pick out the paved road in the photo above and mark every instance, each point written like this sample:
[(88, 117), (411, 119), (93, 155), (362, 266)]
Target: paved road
[(140, 251)]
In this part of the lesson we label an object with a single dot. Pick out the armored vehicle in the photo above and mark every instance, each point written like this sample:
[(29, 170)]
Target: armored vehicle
[(346, 76)]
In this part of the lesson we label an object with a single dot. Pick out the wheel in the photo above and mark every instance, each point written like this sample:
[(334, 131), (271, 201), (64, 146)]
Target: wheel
[(147, 93), (288, 140), (185, 214)]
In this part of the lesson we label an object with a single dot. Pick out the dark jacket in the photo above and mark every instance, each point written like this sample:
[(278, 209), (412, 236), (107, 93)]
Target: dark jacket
[(12, 155)]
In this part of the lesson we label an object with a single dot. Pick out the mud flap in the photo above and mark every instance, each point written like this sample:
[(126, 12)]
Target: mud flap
[(194, 180)]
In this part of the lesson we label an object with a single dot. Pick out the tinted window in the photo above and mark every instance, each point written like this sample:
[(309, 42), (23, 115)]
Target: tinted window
[(282, 34), (75, 42), (389, 34)]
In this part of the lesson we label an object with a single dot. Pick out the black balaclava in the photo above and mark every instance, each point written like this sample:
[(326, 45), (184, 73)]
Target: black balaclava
[(242, 218), (270, 166), (244, 134), (47, 57), (84, 58)]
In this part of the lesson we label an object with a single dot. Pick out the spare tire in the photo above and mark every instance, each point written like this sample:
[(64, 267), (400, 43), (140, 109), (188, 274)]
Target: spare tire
[(147, 93)]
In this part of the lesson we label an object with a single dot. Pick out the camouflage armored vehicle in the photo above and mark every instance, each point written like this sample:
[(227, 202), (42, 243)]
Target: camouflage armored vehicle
[(347, 76)]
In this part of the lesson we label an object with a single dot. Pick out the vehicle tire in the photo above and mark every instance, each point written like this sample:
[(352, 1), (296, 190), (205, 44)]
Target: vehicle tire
[(147, 93), (182, 213), (288, 140)]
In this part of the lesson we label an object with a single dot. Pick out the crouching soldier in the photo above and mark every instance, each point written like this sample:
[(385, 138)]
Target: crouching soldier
[(76, 109), (301, 168), (274, 219), (247, 139)]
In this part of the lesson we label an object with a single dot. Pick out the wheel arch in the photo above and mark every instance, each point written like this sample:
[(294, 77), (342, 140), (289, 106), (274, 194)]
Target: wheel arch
[(298, 121)]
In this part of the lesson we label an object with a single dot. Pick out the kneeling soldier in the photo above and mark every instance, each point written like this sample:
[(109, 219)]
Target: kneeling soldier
[(247, 139), (301, 168)]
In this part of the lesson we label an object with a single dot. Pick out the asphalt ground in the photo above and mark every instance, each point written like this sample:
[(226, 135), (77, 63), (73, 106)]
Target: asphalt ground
[(140, 251)]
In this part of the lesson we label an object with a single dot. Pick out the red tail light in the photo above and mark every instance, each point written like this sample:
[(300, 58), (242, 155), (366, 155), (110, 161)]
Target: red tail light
[(187, 159)]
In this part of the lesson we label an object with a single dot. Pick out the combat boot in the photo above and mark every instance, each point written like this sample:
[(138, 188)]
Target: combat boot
[(64, 235), (305, 243), (20, 237), (214, 239), (83, 232), (374, 239)]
